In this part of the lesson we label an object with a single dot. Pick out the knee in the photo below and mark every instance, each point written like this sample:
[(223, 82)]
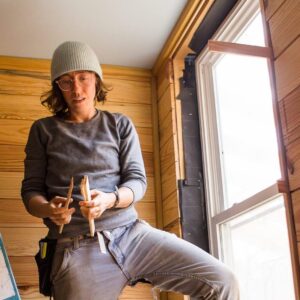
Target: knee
[(229, 286)]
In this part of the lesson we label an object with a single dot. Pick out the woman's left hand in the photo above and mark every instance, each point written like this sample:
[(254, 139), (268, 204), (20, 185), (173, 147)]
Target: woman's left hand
[(95, 208)]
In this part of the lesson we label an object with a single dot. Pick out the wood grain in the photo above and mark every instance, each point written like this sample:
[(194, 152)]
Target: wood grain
[(272, 6), (285, 26), (287, 68)]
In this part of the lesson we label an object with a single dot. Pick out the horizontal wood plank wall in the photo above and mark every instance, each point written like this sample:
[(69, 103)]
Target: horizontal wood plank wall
[(168, 70), (21, 83), (168, 155), (168, 150), (283, 17)]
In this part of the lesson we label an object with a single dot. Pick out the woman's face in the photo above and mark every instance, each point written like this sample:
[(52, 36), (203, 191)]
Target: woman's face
[(79, 90)]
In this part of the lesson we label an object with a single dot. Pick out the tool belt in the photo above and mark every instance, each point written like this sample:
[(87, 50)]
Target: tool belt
[(44, 260)]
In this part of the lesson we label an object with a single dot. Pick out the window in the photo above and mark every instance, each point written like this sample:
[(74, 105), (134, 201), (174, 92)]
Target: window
[(247, 222)]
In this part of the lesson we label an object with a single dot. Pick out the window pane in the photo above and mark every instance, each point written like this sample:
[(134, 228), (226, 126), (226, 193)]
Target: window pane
[(247, 136), (253, 33), (256, 246)]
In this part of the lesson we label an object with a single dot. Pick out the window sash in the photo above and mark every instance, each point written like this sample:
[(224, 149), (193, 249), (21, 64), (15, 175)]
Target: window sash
[(238, 209), (218, 46)]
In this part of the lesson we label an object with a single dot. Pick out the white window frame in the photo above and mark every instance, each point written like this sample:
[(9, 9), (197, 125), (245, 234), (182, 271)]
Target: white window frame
[(221, 42)]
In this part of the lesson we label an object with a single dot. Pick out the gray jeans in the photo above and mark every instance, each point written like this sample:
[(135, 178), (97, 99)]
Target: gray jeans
[(86, 270)]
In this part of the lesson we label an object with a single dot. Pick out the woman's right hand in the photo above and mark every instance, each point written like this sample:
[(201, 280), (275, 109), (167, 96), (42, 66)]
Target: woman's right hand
[(58, 213)]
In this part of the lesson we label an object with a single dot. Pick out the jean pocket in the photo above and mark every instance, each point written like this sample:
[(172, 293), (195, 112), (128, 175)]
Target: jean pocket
[(119, 231), (60, 263)]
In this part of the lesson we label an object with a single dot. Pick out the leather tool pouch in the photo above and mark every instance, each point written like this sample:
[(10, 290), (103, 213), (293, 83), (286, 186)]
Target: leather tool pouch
[(44, 260)]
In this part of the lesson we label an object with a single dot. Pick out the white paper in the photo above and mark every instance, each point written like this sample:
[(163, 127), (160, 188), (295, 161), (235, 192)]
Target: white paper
[(6, 287)]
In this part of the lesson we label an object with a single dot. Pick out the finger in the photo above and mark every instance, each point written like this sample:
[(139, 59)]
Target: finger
[(63, 218), (94, 193), (72, 210), (88, 204), (59, 199), (86, 212), (57, 221), (68, 220), (59, 211)]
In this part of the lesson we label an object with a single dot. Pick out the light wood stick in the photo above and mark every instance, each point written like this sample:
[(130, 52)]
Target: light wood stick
[(69, 196), (86, 193)]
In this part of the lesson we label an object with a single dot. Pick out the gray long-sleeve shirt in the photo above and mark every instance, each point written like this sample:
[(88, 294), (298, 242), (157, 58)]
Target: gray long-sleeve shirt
[(106, 148)]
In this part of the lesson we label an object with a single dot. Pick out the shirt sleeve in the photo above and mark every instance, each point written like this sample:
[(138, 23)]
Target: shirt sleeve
[(133, 173), (34, 166)]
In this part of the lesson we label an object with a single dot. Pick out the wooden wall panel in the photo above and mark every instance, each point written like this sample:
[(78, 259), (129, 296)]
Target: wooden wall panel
[(167, 129), (15, 64), (10, 185), (22, 241), (134, 92), (164, 79), (290, 120), (167, 153), (165, 105), (169, 183), (296, 205), (287, 68), (272, 6), (12, 158), (139, 292), (21, 83), (290, 116), (171, 209), (168, 148), (285, 26), (175, 227), (174, 296), (293, 157), (14, 132), (145, 136), (14, 214), (25, 270), (18, 107)]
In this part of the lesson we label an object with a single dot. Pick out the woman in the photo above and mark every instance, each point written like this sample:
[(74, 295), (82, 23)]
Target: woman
[(80, 140)]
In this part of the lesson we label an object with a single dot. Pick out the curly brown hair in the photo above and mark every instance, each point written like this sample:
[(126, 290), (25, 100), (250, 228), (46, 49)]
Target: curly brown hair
[(56, 103)]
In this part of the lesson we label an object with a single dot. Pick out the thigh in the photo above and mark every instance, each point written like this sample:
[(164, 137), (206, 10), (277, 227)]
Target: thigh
[(173, 264), (85, 273)]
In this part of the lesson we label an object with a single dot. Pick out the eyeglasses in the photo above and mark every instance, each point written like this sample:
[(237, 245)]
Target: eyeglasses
[(83, 80)]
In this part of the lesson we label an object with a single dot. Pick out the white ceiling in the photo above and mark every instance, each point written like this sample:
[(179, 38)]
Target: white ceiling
[(122, 32)]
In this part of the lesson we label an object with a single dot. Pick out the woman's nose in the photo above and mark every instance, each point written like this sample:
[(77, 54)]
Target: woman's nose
[(75, 85)]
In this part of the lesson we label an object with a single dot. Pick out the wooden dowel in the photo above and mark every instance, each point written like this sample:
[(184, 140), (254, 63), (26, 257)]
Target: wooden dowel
[(69, 196), (86, 193)]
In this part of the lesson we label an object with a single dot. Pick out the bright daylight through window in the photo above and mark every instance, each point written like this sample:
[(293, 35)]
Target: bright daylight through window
[(247, 221)]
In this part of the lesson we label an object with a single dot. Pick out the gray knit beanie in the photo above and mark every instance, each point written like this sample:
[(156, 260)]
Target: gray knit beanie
[(74, 56)]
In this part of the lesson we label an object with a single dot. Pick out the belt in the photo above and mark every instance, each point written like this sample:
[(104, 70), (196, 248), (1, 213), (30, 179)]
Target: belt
[(75, 238)]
